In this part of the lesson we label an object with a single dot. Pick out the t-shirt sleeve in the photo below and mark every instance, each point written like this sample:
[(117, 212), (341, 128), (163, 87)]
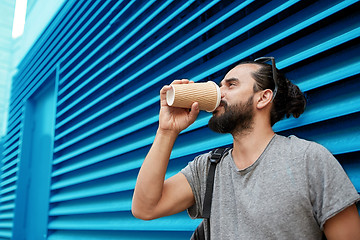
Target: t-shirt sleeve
[(331, 191), (195, 175)]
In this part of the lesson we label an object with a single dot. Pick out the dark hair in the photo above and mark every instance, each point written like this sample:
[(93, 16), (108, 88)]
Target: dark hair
[(289, 99)]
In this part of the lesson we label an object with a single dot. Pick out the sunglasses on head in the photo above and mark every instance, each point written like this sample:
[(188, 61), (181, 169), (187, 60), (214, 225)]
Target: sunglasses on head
[(274, 72)]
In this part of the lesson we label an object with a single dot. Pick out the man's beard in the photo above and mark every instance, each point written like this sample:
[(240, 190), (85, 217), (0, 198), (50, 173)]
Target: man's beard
[(236, 119)]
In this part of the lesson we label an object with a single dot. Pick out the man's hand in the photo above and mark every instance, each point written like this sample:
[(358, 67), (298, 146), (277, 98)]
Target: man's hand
[(172, 118)]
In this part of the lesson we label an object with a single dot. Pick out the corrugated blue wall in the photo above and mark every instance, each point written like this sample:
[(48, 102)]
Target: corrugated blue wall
[(105, 62)]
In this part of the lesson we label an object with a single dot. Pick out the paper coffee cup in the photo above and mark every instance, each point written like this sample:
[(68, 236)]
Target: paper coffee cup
[(207, 94)]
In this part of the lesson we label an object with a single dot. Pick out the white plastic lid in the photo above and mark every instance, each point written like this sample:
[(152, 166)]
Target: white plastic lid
[(170, 96)]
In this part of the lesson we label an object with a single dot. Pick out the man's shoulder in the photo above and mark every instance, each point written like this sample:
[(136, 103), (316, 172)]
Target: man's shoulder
[(201, 162), (302, 147), (292, 138), (296, 145), (294, 141)]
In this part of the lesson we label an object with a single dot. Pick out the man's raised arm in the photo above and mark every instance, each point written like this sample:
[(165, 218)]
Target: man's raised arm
[(153, 196)]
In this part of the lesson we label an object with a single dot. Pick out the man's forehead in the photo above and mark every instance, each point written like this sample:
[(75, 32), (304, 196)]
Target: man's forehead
[(242, 71)]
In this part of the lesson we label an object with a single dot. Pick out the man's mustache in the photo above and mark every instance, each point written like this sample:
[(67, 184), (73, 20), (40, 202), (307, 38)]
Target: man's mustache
[(223, 104)]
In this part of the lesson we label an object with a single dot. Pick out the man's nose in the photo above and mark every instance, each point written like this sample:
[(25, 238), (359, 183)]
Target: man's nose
[(222, 92)]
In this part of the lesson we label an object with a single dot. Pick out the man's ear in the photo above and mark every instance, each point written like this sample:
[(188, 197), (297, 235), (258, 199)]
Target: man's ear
[(264, 98)]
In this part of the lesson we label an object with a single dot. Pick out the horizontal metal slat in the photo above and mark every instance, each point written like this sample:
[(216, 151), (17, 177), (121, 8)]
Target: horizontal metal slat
[(7, 198), (6, 233), (96, 189), (7, 206), (108, 203), (121, 234), (8, 215), (123, 221), (352, 170)]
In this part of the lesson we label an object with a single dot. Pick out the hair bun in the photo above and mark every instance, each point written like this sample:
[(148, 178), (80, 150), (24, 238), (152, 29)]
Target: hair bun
[(296, 101)]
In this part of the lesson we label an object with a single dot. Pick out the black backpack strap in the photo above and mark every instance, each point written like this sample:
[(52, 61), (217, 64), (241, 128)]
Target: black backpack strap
[(216, 156)]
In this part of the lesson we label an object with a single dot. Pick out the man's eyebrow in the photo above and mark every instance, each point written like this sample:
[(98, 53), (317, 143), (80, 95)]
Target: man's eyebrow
[(229, 80)]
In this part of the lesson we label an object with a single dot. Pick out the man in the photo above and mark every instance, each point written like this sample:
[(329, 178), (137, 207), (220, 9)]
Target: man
[(268, 186)]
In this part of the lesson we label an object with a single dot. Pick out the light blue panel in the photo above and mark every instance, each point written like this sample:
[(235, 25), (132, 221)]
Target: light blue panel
[(34, 174), (113, 57)]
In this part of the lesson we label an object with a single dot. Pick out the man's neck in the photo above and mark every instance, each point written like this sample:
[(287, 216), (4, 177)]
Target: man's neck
[(249, 146)]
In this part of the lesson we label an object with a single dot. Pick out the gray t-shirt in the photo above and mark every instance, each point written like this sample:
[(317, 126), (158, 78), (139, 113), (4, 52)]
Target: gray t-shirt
[(288, 193)]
